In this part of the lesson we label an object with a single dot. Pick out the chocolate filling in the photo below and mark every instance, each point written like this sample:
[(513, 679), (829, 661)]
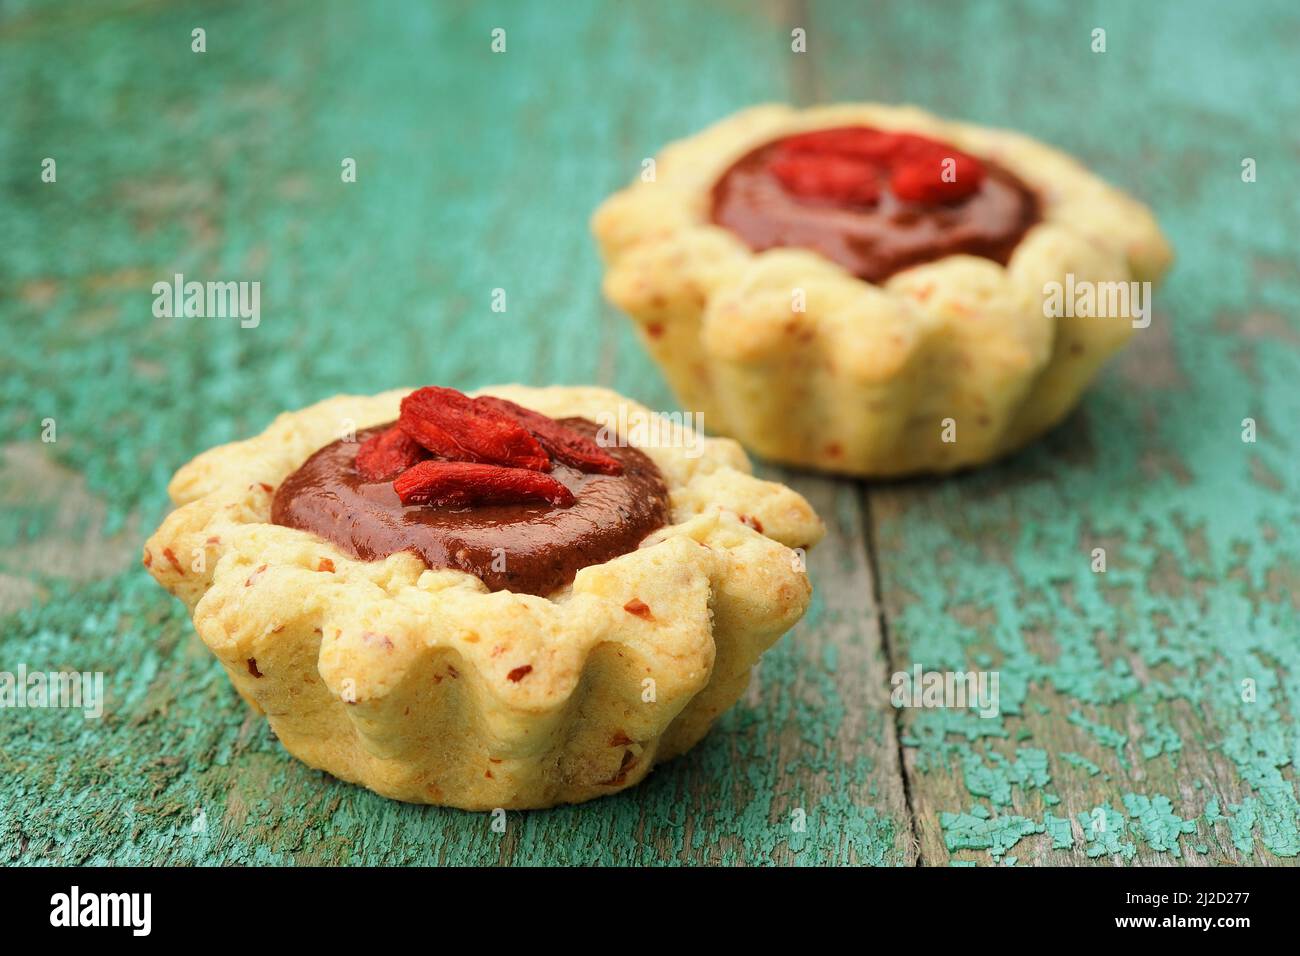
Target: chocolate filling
[(530, 548), (873, 241)]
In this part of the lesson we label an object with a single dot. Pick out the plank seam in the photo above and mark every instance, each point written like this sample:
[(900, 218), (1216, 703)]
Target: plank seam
[(886, 641)]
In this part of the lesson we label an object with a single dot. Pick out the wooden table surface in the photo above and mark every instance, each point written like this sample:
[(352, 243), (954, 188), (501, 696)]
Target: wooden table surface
[(1125, 736)]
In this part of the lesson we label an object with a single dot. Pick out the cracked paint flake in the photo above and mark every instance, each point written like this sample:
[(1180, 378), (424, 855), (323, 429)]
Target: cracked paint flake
[(1104, 735), (1060, 830), (981, 830), (1082, 762), (1157, 824), (995, 778), (1103, 833)]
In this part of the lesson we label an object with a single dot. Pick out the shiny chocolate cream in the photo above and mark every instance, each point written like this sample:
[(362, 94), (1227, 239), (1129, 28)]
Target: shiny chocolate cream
[(530, 548), (872, 240)]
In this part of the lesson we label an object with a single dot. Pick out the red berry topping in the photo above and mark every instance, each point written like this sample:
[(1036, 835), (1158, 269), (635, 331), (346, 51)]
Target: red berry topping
[(464, 483)]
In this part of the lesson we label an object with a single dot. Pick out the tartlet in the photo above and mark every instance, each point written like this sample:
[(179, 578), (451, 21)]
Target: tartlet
[(426, 685), (907, 358)]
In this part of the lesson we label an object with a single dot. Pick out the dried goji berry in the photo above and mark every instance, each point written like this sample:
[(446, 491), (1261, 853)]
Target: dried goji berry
[(384, 456), (830, 176), (860, 141), (464, 483), (923, 179), (451, 424), (563, 444), (909, 146), (846, 165)]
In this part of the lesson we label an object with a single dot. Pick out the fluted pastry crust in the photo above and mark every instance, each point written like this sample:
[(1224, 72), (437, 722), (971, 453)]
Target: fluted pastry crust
[(864, 379), (424, 686)]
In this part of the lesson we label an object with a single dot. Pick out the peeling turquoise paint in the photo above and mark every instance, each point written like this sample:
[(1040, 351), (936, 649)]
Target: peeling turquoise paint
[(1029, 771), (1159, 737), (1106, 736), (1212, 814), (980, 830), (1103, 833), (1156, 823), (1082, 762), (1242, 824), (1061, 832)]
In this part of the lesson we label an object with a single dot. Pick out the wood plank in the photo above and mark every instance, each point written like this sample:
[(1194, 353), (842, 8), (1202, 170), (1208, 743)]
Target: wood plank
[(475, 172), (1120, 690)]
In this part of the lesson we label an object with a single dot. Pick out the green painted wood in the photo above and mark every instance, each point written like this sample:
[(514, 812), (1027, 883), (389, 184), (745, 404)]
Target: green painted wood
[(478, 171), (475, 172), (1120, 691)]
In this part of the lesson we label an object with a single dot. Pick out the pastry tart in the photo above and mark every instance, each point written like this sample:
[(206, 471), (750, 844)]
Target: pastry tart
[(483, 602), (872, 290)]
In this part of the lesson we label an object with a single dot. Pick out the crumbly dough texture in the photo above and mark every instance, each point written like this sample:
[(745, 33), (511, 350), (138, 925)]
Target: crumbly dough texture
[(424, 686), (863, 380)]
